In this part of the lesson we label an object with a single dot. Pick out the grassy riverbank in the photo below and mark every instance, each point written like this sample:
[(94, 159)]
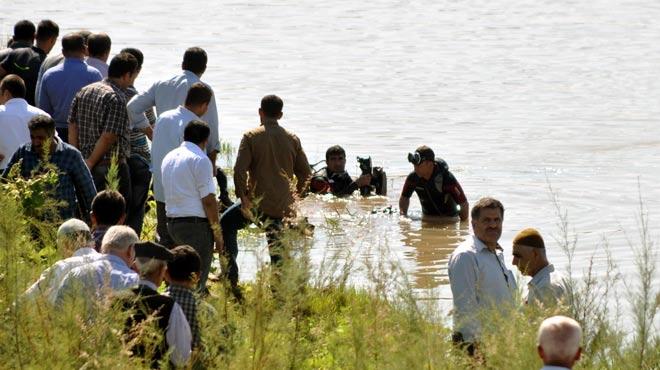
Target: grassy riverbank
[(316, 320)]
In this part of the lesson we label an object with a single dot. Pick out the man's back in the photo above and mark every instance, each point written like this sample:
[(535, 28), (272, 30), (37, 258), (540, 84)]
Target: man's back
[(14, 118), (272, 155), (25, 62)]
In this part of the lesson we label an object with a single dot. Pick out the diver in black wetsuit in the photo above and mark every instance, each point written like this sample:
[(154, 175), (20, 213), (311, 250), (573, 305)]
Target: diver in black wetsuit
[(438, 190), (334, 178)]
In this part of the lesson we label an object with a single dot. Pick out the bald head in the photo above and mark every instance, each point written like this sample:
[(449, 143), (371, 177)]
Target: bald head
[(559, 341)]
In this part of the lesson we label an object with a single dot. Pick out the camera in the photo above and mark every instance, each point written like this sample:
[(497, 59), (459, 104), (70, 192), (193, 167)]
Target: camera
[(378, 183)]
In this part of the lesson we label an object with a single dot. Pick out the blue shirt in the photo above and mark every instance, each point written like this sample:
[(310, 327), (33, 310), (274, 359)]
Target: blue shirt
[(61, 83), (74, 176)]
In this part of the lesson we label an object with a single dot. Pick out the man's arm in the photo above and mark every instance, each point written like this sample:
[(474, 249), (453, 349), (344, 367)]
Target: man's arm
[(465, 211), (211, 118), (454, 188), (103, 145), (178, 337), (73, 134), (205, 182), (84, 184), (210, 205), (301, 169), (463, 283), (243, 160), (139, 104), (404, 203), (406, 193)]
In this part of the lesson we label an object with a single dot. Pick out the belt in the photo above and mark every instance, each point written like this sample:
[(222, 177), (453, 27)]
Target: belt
[(190, 220)]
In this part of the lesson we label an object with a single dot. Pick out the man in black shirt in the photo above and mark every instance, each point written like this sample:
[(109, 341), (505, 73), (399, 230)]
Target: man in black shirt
[(438, 190), (335, 179)]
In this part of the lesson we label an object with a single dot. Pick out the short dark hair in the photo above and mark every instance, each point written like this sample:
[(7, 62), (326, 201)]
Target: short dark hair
[(41, 122), (271, 105), (425, 152), (334, 150), (47, 29), (486, 202), (196, 131), (14, 84), (85, 35), (121, 64), (198, 94), (194, 60), (73, 42), (136, 53), (24, 30), (108, 207), (186, 262), (98, 44)]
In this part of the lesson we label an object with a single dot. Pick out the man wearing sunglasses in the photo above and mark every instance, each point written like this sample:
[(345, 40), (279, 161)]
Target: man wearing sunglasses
[(439, 192)]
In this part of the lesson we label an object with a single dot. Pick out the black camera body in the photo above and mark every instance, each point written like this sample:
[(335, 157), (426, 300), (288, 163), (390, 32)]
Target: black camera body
[(378, 183)]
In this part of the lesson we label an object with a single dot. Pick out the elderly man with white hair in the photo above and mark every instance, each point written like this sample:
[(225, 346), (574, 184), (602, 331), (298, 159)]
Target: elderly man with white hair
[(72, 236), (111, 272), (559, 342)]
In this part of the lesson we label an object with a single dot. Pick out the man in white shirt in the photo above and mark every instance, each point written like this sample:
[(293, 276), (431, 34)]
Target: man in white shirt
[(559, 343), (73, 235), (98, 47), (190, 203), (478, 276), (171, 93), (167, 136), (546, 287), (15, 113)]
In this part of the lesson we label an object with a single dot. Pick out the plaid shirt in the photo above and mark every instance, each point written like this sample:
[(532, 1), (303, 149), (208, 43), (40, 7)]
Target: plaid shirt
[(186, 298), (139, 143), (75, 185), (98, 108)]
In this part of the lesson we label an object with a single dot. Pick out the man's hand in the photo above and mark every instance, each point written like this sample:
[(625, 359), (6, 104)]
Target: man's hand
[(219, 243), (246, 208), (364, 180)]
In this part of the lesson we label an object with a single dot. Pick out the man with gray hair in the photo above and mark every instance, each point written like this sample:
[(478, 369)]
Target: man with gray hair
[(559, 343), (111, 272), (72, 236), (145, 301)]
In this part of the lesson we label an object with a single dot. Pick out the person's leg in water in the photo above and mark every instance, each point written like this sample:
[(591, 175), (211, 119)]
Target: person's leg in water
[(224, 201), (231, 221)]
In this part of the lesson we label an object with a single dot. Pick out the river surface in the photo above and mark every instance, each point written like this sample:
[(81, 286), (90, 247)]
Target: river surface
[(515, 95)]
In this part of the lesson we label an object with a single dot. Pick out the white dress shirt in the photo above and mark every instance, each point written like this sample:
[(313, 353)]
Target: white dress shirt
[(479, 280), (546, 287), (14, 132), (98, 64), (178, 335), (187, 178), (168, 135), (52, 277)]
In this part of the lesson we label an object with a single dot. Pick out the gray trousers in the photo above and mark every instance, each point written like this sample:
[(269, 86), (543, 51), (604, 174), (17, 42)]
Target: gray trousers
[(163, 234), (199, 236)]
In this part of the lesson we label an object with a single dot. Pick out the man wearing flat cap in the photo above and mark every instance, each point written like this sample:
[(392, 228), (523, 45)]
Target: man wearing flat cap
[(546, 286), (151, 260)]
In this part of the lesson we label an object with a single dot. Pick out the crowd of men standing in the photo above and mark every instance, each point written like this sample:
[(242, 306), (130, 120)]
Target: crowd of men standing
[(85, 114)]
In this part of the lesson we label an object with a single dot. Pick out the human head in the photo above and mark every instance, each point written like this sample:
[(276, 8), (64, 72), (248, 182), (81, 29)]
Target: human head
[(42, 131), (24, 30), (197, 132), (120, 241), (136, 53), (98, 46), (123, 69), (529, 252), (271, 107), (487, 217), (198, 98), (151, 260), (73, 234), (185, 267), (108, 208), (194, 60), (47, 32), (422, 161), (559, 341), (74, 45), (335, 159), (11, 86)]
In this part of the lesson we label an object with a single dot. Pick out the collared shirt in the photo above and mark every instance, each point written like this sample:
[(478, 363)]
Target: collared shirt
[(25, 62), (271, 155), (52, 277), (479, 280), (100, 65), (167, 95), (98, 278), (168, 135), (186, 298), (61, 83), (546, 287), (187, 178), (14, 118), (75, 185), (48, 63), (178, 335), (139, 144), (99, 108)]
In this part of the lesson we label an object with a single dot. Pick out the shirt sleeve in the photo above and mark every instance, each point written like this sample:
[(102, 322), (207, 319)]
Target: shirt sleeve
[(243, 160), (452, 187), (463, 282), (84, 184), (409, 185), (139, 104), (14, 159), (43, 101), (203, 175), (211, 118), (301, 168), (37, 90), (116, 121), (178, 337), (73, 111)]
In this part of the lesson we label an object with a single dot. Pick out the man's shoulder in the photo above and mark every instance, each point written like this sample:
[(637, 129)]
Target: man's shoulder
[(36, 111), (467, 247)]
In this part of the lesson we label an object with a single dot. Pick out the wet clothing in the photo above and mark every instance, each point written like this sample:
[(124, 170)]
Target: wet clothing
[(440, 195), (341, 183)]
